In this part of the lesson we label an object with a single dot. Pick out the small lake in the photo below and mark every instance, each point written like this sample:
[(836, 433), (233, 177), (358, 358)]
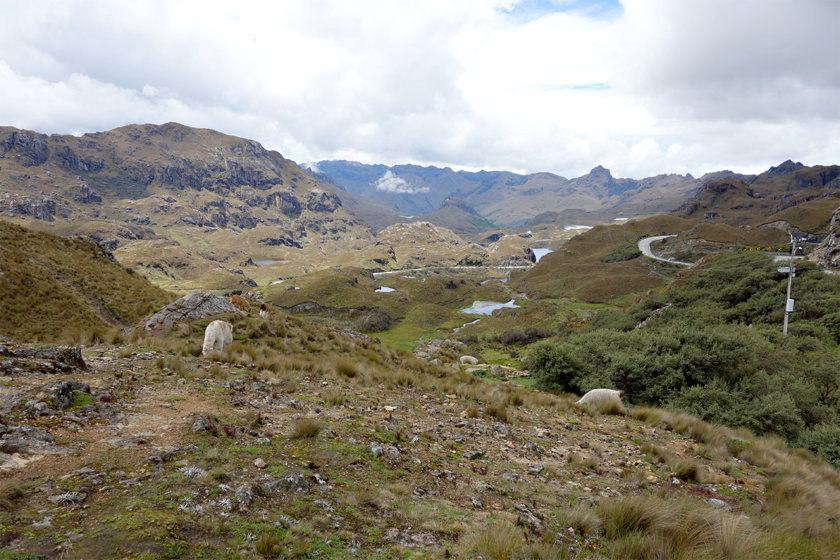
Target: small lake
[(487, 307), (384, 290), (541, 252), (268, 262)]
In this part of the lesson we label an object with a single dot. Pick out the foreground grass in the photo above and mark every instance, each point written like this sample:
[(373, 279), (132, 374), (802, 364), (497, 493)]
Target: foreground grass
[(300, 458)]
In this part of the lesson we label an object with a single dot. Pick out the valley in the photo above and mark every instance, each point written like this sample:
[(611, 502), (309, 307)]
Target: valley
[(410, 391)]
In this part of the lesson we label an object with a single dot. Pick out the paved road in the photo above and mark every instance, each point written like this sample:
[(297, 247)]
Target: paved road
[(644, 247)]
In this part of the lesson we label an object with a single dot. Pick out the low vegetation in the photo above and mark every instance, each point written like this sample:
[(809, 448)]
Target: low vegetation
[(712, 345)]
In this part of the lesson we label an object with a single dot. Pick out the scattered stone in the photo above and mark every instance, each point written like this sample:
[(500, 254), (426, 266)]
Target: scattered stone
[(714, 502), (512, 477), (533, 448), (292, 481), (244, 496), (476, 503), (535, 469), (376, 449), (63, 393), (259, 463), (475, 454)]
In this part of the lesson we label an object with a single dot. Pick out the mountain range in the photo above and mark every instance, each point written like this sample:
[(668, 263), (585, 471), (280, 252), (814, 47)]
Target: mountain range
[(195, 208)]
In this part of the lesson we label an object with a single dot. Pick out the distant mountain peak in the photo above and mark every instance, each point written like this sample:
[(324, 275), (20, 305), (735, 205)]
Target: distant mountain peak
[(785, 167), (600, 170)]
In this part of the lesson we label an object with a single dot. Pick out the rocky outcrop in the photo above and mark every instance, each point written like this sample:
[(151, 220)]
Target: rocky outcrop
[(195, 305), (321, 201), (30, 148), (280, 241), (85, 195), (43, 209), (286, 202), (16, 360), (827, 254)]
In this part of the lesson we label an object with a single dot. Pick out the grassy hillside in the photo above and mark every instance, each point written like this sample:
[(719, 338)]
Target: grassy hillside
[(57, 289), (578, 269), (712, 345), (304, 442)]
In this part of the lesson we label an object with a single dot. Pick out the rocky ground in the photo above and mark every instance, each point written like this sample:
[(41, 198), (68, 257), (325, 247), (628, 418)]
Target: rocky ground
[(138, 451)]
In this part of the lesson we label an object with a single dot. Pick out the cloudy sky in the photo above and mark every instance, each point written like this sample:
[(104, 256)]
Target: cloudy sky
[(639, 86)]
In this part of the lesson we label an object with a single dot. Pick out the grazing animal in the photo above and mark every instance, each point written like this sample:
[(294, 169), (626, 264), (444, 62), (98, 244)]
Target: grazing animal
[(218, 336), (240, 302), (601, 396), (469, 360), (263, 310)]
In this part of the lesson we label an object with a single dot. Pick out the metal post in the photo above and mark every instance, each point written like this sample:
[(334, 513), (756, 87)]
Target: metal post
[(788, 306)]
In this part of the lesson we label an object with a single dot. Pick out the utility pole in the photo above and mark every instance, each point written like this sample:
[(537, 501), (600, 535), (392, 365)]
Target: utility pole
[(788, 301)]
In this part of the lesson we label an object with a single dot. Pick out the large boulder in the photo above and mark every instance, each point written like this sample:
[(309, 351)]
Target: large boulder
[(193, 306)]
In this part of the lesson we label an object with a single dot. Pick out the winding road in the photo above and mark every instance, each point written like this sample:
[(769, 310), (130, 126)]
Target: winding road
[(644, 247)]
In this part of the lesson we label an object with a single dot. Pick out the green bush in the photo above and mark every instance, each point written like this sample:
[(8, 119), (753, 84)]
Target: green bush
[(823, 439), (624, 252)]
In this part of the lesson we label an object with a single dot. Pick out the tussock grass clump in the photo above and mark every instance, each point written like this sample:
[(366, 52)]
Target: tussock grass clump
[(334, 397), (346, 367), (269, 546), (583, 519), (306, 428), (627, 515), (472, 411), (688, 469), (504, 541), (498, 411)]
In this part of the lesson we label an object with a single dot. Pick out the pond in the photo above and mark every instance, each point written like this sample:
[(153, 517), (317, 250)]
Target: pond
[(487, 307), (384, 290), (268, 262)]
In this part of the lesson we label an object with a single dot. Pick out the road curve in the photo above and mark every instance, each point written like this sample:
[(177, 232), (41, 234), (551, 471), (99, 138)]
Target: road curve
[(644, 247)]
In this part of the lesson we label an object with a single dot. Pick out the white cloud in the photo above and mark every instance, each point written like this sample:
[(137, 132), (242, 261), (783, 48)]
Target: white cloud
[(497, 84), (397, 185)]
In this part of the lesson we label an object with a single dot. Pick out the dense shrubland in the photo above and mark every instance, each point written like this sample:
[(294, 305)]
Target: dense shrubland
[(712, 345)]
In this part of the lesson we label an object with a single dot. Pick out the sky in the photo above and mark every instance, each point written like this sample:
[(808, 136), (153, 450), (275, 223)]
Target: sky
[(641, 87)]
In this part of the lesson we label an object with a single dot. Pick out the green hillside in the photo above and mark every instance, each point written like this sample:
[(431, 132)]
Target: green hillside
[(712, 345)]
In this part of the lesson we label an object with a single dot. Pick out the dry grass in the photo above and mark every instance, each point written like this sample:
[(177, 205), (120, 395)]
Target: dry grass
[(305, 428), (498, 411)]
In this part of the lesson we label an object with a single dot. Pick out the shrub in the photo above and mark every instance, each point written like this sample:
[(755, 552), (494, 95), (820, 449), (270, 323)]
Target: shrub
[(513, 336), (823, 439), (624, 252)]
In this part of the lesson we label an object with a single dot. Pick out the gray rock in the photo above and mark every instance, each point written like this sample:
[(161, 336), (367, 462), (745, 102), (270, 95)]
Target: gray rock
[(193, 306), (376, 449), (476, 503), (244, 495), (535, 469), (475, 454), (24, 439), (392, 452), (533, 448), (294, 481), (63, 393), (714, 502)]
